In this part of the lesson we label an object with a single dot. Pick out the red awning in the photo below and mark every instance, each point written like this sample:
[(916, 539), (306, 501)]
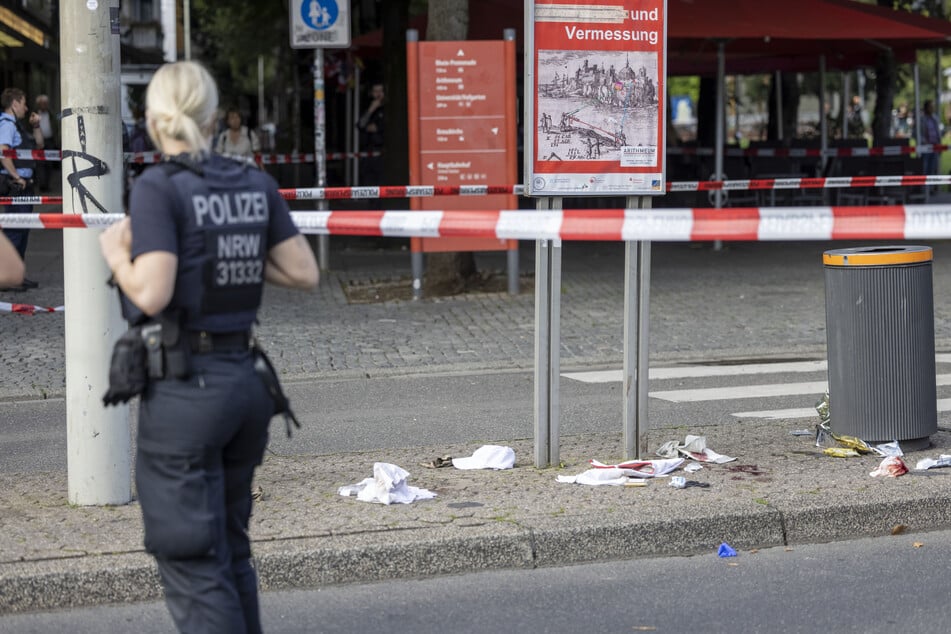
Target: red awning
[(758, 34)]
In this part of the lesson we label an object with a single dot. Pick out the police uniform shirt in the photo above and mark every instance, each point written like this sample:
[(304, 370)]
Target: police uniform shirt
[(11, 137), (220, 221)]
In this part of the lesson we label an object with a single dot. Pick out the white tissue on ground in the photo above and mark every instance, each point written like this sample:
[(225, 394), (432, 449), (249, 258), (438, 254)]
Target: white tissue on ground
[(487, 457), (387, 486)]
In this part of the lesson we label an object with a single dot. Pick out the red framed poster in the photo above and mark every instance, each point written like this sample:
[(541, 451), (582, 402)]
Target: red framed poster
[(595, 116)]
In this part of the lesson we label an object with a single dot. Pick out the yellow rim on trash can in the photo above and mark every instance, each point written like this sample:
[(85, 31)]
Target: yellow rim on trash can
[(877, 256)]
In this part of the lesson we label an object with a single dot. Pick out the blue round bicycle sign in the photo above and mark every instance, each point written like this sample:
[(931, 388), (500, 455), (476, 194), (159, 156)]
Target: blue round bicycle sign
[(319, 15)]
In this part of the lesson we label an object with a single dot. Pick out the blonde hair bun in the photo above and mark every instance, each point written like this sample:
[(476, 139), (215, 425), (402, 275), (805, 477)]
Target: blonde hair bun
[(181, 103)]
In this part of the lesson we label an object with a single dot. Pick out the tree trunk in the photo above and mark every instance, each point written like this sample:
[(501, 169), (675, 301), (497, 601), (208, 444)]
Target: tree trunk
[(886, 79), (446, 273), (395, 15), (707, 113), (790, 98)]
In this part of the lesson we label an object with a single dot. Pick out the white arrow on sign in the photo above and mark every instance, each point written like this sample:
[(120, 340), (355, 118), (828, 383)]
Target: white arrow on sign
[(459, 53), (429, 165), (495, 130)]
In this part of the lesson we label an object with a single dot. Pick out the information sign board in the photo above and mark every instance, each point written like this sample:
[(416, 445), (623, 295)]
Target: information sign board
[(462, 128), (595, 107)]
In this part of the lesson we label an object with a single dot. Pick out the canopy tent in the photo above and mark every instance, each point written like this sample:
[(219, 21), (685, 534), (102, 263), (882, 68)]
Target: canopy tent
[(758, 35)]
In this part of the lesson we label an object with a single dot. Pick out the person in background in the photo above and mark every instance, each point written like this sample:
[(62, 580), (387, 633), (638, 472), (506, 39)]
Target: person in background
[(855, 125), (930, 135), (15, 136), (180, 259), (371, 126), (902, 123), (237, 139), (11, 266), (44, 169)]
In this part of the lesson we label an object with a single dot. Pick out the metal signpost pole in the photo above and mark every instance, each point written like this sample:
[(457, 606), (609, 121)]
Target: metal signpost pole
[(320, 25), (98, 439), (720, 136), (320, 150), (547, 340), (637, 276)]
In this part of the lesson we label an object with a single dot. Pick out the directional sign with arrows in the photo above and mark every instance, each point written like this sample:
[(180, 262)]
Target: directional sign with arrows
[(464, 102)]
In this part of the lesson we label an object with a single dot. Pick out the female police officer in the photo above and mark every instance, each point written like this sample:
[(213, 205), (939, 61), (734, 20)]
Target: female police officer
[(203, 235)]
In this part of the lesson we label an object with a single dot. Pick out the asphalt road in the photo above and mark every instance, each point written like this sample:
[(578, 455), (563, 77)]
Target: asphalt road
[(372, 414), (876, 585)]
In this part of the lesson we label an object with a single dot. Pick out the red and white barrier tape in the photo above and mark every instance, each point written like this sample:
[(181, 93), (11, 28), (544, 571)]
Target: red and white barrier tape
[(155, 157), (420, 191), (28, 309), (810, 183), (297, 157), (31, 200), (397, 191), (33, 155), (417, 191), (800, 152), (899, 222)]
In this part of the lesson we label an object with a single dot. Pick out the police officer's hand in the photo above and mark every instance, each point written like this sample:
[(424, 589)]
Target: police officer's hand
[(116, 243)]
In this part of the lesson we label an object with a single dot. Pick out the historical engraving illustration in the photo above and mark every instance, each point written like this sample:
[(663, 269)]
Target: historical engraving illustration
[(597, 105)]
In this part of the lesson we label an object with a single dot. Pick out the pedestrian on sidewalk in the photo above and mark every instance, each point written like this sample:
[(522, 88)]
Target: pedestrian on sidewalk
[(15, 136), (237, 139), (203, 235), (44, 169)]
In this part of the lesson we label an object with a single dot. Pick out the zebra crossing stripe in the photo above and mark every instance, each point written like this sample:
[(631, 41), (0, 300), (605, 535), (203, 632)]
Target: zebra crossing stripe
[(944, 405), (701, 371), (756, 391)]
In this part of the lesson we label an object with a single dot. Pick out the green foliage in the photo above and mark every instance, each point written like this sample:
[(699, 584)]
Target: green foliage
[(684, 86), (234, 34)]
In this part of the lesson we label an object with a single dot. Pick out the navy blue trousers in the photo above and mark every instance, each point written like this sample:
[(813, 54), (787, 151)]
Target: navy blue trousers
[(19, 237), (199, 442)]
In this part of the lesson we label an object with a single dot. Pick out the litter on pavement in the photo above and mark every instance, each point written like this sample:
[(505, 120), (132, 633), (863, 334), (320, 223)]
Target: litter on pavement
[(621, 474), (944, 460), (892, 467), (848, 446), (387, 486), (694, 447), (840, 452), (643, 468), (822, 408), (487, 457), (599, 477), (726, 550), (438, 462), (889, 449)]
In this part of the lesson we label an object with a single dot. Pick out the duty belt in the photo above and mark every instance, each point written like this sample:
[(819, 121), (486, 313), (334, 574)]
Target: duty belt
[(203, 342)]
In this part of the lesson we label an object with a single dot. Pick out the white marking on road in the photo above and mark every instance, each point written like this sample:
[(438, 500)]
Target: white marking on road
[(777, 414), (741, 391), (756, 391), (944, 405), (701, 371)]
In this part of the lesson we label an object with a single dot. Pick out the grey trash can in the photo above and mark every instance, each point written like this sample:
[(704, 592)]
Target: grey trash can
[(880, 336)]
